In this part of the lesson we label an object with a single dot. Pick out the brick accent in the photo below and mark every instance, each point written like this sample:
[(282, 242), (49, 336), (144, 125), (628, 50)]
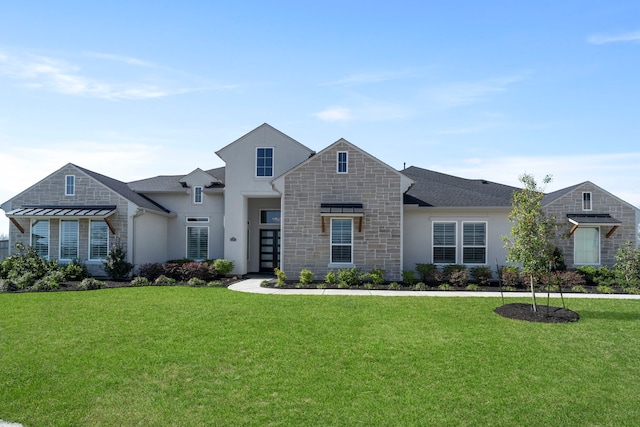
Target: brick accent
[(602, 203), (368, 181)]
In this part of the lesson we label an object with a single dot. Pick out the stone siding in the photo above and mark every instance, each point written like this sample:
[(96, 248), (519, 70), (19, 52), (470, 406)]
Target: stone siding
[(602, 203), (88, 192), (376, 186)]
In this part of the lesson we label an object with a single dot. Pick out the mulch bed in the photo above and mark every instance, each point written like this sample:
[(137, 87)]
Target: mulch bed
[(544, 314)]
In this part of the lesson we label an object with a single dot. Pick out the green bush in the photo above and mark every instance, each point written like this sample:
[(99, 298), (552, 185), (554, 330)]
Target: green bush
[(420, 286), (445, 287), (306, 277), (627, 266), (605, 289), (216, 284), (90, 284), (331, 278), (116, 265), (52, 280), (482, 275), (394, 286), (579, 289), (196, 282), (409, 277), (321, 286), (588, 272), (377, 276), (352, 277), (223, 266), (151, 270), (75, 270), (427, 272), (140, 281), (281, 277), (510, 277), (163, 280), (473, 287), (459, 277)]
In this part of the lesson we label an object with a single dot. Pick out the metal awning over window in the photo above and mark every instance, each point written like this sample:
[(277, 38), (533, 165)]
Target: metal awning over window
[(593, 220), (62, 212), (342, 209)]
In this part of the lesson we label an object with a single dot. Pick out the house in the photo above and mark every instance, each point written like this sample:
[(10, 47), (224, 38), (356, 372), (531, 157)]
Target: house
[(277, 203)]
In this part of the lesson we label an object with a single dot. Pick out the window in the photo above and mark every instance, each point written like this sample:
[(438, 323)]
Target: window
[(474, 243), (68, 239), (197, 219), (342, 162), (40, 237), (98, 240), (69, 185), (270, 217), (341, 241), (264, 162), (586, 245), (197, 194), (586, 201), (198, 243), (444, 242)]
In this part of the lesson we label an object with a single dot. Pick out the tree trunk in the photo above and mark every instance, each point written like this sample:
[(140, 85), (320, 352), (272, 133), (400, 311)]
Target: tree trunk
[(533, 294)]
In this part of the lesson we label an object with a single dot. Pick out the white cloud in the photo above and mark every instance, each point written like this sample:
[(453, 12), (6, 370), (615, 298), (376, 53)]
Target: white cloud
[(604, 38), (335, 114), (368, 78), (119, 58), (59, 76)]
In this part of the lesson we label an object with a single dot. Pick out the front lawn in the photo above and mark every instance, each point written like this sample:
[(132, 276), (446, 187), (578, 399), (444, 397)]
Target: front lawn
[(211, 356)]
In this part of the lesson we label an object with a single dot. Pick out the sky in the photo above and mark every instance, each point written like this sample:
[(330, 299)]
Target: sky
[(482, 90)]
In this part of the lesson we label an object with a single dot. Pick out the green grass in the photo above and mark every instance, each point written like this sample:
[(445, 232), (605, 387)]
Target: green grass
[(207, 356)]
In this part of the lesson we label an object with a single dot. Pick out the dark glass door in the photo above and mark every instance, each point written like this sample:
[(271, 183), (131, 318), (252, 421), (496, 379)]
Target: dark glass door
[(269, 250)]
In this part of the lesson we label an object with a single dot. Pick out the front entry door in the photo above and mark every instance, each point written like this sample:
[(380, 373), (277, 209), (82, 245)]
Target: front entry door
[(269, 250)]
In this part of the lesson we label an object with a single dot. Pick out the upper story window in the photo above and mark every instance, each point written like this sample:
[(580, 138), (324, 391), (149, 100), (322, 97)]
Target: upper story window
[(586, 201), (69, 185), (197, 194), (342, 161), (264, 162)]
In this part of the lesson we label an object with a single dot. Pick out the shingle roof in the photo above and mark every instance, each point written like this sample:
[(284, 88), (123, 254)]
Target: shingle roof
[(124, 190), (551, 197), (441, 190), (170, 183)]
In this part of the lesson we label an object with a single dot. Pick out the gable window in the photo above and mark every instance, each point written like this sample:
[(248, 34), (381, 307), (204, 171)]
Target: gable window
[(586, 245), (40, 238), (269, 217), (197, 194), (69, 185), (444, 242), (198, 243), (474, 243), (68, 239), (586, 201), (264, 162), (341, 241), (342, 162), (98, 240)]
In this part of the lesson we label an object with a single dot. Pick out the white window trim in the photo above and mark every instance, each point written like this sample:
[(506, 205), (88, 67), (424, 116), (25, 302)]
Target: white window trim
[(590, 200), (89, 240), (273, 161), (195, 194), (333, 264), (486, 242), (346, 167), (599, 247), (66, 185), (77, 240), (455, 245), (33, 221), (186, 240)]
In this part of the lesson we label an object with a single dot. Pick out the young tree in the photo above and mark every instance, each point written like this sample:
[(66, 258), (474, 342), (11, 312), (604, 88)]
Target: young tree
[(533, 233)]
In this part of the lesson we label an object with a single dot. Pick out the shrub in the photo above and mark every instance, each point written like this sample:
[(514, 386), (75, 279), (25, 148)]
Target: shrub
[(579, 289), (330, 278), (140, 281), (510, 276), (7, 286), (588, 272), (321, 286), (627, 266), (395, 286), (604, 276), (420, 286), (572, 278), (427, 272), (22, 280), (352, 277), (90, 284), (116, 265), (306, 276), (180, 261), (217, 284), (172, 270), (605, 289), (633, 290), (196, 282), (223, 266), (370, 285), (459, 277), (481, 275), (163, 280), (473, 287), (75, 270), (195, 270), (52, 280), (151, 271), (445, 287), (409, 277), (281, 277), (557, 258), (377, 276)]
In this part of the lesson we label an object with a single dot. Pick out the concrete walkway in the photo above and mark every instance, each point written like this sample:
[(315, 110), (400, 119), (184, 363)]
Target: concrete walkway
[(253, 286)]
